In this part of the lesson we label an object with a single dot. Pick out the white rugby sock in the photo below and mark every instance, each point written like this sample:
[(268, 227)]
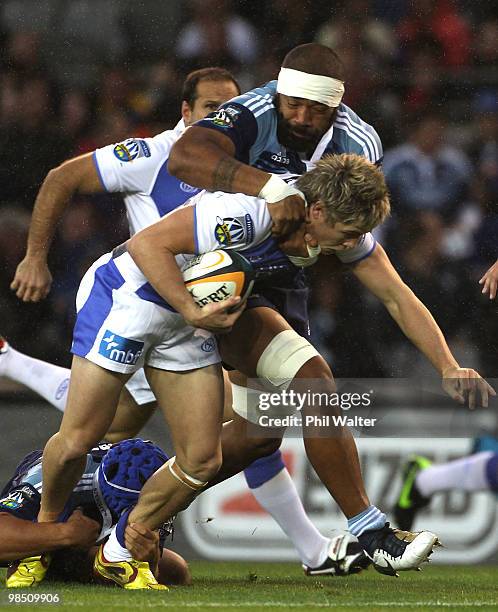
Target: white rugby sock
[(279, 497), (466, 474), (113, 551), (48, 380)]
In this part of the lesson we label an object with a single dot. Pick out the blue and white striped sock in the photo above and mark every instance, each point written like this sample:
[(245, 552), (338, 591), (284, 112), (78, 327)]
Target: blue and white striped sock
[(371, 518)]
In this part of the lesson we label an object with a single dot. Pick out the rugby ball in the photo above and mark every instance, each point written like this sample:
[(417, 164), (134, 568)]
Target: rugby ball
[(217, 275)]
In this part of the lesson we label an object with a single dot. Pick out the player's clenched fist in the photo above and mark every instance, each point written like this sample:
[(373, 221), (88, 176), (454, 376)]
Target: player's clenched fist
[(82, 532), (32, 280), (286, 205)]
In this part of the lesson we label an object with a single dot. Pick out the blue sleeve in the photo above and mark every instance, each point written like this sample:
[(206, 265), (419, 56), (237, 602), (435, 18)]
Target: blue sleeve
[(22, 501), (238, 123)]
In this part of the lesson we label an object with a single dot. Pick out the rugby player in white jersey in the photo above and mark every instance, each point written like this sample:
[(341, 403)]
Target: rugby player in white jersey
[(137, 168), (145, 300)]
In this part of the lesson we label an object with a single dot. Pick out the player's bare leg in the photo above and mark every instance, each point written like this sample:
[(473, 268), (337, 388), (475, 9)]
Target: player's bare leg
[(194, 414), (335, 458), (288, 359), (129, 419), (92, 399)]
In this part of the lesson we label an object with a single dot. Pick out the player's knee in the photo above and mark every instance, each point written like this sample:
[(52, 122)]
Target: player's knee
[(73, 447), (318, 370), (200, 465)]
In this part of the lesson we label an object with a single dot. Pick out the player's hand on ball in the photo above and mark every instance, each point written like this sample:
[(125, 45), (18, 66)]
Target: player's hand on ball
[(287, 214), (490, 281), (464, 384), (143, 543), (32, 280), (218, 317), (82, 532)]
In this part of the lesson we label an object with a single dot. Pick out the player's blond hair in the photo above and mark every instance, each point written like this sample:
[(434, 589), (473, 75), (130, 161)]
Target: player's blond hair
[(352, 190)]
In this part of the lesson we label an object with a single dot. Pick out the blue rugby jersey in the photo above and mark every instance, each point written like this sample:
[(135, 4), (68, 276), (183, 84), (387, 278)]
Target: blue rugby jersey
[(250, 121)]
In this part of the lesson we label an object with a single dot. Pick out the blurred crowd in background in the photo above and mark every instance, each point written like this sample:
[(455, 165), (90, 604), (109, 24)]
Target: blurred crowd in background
[(78, 75)]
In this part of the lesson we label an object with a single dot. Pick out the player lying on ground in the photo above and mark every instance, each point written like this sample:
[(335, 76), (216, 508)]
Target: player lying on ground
[(268, 478), (341, 187), (137, 168), (422, 480), (110, 484)]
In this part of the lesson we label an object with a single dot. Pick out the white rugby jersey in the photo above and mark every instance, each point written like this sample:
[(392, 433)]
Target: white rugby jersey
[(138, 168), (237, 222), (243, 223)]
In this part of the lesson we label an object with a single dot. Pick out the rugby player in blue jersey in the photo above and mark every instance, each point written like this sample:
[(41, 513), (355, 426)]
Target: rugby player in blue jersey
[(110, 484), (249, 146)]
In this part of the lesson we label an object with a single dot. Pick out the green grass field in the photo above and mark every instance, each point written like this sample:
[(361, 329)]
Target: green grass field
[(282, 586)]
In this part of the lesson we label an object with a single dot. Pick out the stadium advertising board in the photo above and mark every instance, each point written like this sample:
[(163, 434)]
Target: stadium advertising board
[(226, 522)]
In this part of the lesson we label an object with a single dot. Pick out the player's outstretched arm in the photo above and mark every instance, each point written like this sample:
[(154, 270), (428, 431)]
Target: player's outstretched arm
[(379, 276), (490, 281), (21, 538), (32, 279)]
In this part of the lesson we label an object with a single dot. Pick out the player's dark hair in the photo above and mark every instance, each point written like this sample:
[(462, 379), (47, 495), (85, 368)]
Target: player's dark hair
[(189, 92), (314, 58), (71, 565)]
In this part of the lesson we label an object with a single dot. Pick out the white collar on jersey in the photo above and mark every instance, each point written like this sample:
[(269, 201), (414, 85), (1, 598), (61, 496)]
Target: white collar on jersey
[(322, 145), (180, 126)]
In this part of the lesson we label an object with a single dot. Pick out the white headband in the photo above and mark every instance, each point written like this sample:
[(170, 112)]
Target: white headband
[(297, 84)]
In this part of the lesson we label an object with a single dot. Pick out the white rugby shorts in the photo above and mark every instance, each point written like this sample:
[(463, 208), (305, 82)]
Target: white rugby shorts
[(121, 331)]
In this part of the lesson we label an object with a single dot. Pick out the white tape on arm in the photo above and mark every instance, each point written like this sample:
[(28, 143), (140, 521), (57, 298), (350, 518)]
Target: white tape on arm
[(276, 189)]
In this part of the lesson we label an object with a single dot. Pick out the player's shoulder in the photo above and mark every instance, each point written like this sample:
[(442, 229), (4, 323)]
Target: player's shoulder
[(165, 140), (355, 135), (147, 149), (258, 100)]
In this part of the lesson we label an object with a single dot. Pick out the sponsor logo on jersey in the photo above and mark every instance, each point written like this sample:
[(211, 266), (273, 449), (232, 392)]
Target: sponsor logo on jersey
[(188, 188), (226, 117), (16, 499), (62, 388), (208, 345), (131, 149), (119, 349), (232, 231)]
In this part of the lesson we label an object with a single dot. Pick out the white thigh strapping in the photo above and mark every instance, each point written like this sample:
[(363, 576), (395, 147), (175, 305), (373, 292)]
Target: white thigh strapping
[(282, 359)]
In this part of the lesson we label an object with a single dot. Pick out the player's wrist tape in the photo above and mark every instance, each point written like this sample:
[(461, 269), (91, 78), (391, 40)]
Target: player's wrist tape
[(183, 477), (276, 189)]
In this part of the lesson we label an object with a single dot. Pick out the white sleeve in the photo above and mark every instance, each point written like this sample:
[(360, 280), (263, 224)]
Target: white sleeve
[(132, 165), (229, 221), (363, 248)]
